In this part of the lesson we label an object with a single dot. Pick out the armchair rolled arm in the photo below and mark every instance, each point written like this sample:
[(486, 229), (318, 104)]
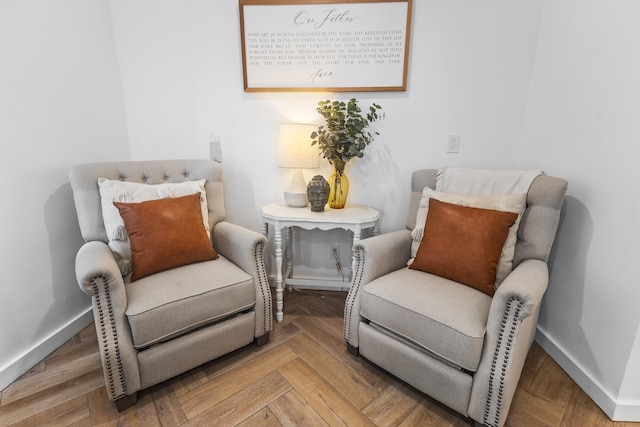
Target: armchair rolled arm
[(245, 248), (527, 284), (511, 328), (95, 259), (98, 275), (375, 257)]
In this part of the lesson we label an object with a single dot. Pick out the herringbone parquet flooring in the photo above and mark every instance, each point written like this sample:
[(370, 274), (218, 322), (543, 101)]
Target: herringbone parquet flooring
[(302, 377)]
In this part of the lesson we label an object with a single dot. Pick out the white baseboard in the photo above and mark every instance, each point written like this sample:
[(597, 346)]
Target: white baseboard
[(627, 412), (39, 351), (616, 411)]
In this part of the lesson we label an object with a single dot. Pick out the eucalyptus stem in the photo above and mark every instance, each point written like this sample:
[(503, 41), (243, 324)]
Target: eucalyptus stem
[(345, 133)]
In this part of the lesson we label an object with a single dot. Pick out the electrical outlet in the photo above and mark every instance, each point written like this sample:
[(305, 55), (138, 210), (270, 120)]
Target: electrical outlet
[(334, 252)]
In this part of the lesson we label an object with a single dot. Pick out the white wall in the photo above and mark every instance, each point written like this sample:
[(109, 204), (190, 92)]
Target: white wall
[(182, 76), (582, 124), (60, 104), (469, 72)]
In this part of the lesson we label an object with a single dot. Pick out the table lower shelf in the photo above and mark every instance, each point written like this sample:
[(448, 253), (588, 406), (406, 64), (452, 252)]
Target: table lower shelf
[(320, 284)]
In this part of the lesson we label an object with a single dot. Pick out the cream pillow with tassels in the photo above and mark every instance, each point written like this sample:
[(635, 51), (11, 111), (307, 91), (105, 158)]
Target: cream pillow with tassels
[(131, 192)]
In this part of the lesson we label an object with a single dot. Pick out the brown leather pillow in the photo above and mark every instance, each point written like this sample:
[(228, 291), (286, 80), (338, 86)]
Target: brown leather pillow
[(462, 243), (165, 233)]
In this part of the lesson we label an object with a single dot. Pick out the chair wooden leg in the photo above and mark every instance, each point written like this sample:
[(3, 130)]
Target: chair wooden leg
[(126, 402), (260, 341)]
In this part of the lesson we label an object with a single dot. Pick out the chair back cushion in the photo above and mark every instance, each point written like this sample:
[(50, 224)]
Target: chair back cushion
[(539, 222), (86, 193)]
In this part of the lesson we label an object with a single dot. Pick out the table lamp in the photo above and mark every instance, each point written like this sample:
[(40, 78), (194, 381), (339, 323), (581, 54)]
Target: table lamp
[(295, 151)]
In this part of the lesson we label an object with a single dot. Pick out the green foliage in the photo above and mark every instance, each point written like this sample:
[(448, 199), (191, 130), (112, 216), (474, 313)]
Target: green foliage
[(344, 134)]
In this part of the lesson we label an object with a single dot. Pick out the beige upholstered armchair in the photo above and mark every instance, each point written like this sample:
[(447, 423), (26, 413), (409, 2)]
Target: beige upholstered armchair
[(158, 310), (431, 324)]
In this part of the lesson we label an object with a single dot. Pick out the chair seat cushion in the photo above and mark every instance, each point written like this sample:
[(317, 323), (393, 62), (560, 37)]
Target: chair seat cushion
[(170, 303), (443, 317)]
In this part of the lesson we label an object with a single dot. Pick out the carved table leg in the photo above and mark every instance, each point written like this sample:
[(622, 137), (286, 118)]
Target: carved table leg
[(277, 238)]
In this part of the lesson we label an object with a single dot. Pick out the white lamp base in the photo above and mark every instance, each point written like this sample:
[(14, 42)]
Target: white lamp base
[(296, 200), (296, 193)]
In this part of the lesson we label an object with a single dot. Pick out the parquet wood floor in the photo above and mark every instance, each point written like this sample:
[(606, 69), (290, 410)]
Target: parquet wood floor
[(302, 377)]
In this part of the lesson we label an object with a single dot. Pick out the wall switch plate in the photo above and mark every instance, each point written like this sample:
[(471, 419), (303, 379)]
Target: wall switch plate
[(453, 145), (214, 147)]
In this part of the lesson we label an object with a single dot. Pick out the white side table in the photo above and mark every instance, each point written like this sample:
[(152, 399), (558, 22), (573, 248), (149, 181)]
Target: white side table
[(354, 218)]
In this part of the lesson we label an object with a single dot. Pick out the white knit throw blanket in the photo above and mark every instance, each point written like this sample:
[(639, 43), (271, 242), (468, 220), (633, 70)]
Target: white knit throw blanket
[(483, 182)]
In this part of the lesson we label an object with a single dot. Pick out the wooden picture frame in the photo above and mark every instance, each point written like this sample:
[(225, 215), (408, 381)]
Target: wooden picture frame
[(325, 45)]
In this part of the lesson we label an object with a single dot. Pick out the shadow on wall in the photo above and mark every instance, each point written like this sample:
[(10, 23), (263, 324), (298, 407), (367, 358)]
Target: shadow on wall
[(384, 181), (562, 310), (240, 198), (65, 239)]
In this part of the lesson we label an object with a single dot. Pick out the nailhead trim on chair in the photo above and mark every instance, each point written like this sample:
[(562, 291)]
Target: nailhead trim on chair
[(109, 346), (355, 288), (264, 285), (503, 347)]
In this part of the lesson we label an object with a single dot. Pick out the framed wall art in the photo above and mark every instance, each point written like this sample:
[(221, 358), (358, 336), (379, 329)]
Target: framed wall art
[(325, 45)]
